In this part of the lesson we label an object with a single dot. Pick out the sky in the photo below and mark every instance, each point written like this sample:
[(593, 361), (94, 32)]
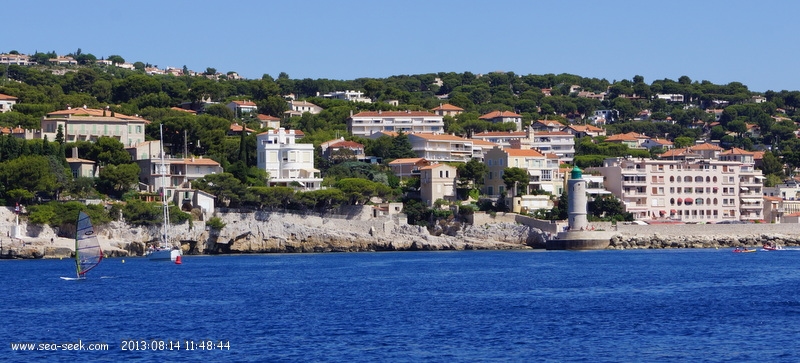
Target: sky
[(754, 43)]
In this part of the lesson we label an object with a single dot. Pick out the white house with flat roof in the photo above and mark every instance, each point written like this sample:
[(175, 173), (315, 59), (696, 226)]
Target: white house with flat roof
[(287, 162)]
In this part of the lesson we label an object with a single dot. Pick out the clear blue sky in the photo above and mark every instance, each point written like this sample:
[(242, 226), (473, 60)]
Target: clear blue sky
[(754, 43)]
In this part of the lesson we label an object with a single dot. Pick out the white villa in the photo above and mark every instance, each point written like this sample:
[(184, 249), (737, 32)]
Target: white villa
[(348, 95), (287, 162)]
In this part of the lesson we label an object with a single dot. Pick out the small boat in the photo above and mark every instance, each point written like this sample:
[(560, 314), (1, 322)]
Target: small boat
[(744, 250), (88, 253), (769, 246), (165, 251)]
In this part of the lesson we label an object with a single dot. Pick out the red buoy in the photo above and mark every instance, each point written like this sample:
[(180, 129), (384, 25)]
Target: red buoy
[(178, 260)]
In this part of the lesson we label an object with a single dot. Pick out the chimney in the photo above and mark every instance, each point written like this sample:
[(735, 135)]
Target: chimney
[(75, 152)]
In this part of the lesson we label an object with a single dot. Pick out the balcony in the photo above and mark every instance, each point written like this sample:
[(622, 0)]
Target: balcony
[(640, 172)]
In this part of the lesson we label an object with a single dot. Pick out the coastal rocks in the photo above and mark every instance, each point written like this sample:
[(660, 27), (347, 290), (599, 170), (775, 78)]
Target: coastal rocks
[(698, 241), (277, 232)]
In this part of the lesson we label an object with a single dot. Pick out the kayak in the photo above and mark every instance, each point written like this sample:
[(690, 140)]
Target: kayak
[(743, 250)]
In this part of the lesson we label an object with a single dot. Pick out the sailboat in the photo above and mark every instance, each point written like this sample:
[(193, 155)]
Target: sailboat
[(88, 253), (165, 251)]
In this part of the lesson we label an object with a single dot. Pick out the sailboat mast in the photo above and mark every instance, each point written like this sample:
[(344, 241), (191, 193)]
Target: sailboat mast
[(164, 207), (77, 247)]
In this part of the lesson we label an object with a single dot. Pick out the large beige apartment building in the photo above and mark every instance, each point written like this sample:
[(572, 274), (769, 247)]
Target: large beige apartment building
[(688, 187)]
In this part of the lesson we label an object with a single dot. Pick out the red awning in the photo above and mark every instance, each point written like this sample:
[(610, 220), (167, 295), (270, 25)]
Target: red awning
[(663, 212), (673, 211), (689, 200), (680, 200)]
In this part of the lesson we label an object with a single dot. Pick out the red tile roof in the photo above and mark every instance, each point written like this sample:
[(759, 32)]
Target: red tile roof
[(631, 136), (706, 146), (406, 161), (447, 107), (500, 134), (523, 152), (496, 114), (264, 117), (183, 109), (736, 151), (394, 114), (238, 128), (245, 103), (438, 137), (347, 144), (93, 112)]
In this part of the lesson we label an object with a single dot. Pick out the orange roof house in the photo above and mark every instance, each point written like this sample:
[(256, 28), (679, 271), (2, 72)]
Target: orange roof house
[(447, 109)]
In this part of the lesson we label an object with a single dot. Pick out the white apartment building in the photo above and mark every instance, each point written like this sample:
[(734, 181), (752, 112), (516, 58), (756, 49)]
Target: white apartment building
[(691, 190), (543, 171), (287, 162), (670, 97), (560, 143), (366, 123), (348, 95), (17, 59), (500, 138), (441, 147), (241, 108), (87, 124)]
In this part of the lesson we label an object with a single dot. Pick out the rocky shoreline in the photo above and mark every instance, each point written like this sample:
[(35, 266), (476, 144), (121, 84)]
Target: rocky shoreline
[(360, 231), (624, 242)]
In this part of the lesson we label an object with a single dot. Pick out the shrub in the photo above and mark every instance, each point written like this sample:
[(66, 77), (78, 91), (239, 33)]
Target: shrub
[(215, 223)]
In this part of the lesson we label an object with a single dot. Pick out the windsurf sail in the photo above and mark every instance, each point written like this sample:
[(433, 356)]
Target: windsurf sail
[(87, 247)]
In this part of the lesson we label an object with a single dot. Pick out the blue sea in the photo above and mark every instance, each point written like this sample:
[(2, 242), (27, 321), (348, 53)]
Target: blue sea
[(689, 305)]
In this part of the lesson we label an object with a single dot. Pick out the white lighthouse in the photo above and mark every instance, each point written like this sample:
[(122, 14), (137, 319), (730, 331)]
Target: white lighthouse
[(578, 235), (577, 201)]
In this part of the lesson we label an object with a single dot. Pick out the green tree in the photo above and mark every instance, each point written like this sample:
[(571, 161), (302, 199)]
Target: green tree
[(28, 172), (108, 151), (115, 59), (117, 179), (401, 147), (360, 191), (516, 179), (682, 142), (771, 165), (472, 173), (228, 190)]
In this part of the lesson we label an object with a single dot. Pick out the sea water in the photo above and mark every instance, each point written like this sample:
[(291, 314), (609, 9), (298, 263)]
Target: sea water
[(698, 305)]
